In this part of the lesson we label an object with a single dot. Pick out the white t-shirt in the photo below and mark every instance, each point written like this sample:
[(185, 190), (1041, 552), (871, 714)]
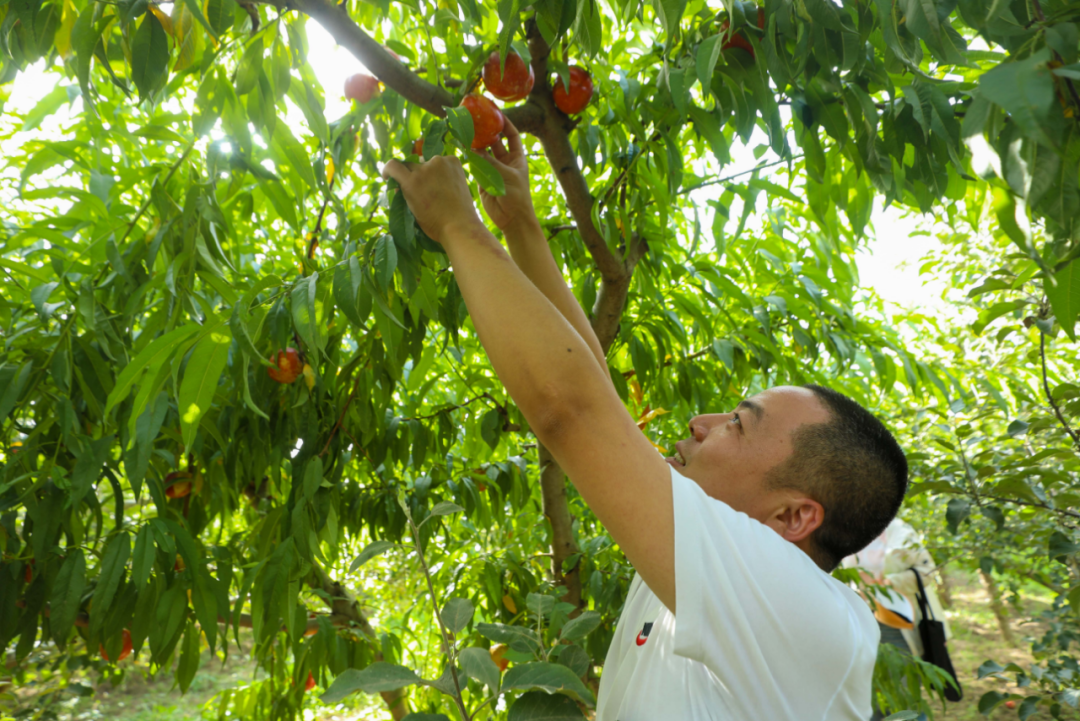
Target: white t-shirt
[(762, 633)]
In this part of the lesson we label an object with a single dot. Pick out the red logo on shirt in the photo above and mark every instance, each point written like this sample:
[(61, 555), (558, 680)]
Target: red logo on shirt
[(643, 635)]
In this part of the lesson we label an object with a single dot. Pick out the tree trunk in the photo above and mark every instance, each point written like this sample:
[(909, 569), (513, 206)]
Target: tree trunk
[(344, 604), (998, 608), (557, 512), (943, 589)]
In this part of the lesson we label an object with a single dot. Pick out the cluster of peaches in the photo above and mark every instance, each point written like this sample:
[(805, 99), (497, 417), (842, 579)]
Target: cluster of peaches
[(512, 84)]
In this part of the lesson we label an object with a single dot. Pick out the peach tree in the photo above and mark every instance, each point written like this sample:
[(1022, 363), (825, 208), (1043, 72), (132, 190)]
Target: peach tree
[(239, 388)]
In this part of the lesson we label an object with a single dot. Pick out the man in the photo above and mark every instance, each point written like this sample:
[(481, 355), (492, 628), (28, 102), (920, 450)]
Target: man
[(732, 614)]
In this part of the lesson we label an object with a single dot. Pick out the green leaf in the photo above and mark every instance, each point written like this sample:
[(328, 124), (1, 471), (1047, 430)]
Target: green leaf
[(246, 388), (1061, 546), (549, 677), (522, 640), (1017, 428), (456, 614), (113, 561), (490, 179), (149, 56), (16, 381), (188, 665), (589, 27), (443, 508), (477, 663), (196, 10), (304, 315), (288, 151), (708, 52), (491, 426), (346, 292), (152, 356), (1064, 294), (581, 626), (142, 562), (989, 701), (247, 74), (669, 12), (402, 223), (88, 468), (376, 678), (509, 12), (575, 658), (45, 107), (1025, 90), (373, 549), (957, 510), (461, 125), (426, 717), (200, 382), (242, 337), (384, 261), (539, 706), (923, 21), (67, 595)]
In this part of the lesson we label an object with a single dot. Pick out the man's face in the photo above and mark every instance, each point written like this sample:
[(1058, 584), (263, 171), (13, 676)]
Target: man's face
[(730, 454)]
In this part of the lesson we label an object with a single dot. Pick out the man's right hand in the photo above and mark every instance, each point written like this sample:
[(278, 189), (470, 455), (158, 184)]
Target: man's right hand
[(513, 211)]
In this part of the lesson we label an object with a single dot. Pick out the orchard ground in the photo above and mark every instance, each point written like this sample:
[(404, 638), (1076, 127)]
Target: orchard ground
[(976, 638)]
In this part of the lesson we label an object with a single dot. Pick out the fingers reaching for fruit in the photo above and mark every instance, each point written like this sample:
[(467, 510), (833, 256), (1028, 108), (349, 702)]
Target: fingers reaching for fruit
[(516, 205), (437, 193)]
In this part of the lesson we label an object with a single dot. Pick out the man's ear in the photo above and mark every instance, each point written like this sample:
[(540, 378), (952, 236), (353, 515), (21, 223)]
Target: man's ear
[(800, 517)]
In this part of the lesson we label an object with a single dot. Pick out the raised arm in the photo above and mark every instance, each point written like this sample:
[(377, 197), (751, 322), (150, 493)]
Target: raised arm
[(553, 376), (514, 214)]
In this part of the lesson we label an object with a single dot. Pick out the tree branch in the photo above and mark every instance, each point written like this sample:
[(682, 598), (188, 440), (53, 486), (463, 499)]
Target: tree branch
[(555, 138), (344, 604), (335, 19), (1050, 397)]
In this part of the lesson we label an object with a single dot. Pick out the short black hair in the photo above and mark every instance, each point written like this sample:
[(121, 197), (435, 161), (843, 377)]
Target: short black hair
[(853, 467)]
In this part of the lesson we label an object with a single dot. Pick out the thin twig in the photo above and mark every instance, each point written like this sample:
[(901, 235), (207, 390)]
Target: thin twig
[(1050, 397), (696, 354), (146, 203), (759, 166), (318, 223), (967, 468), (626, 170), (559, 228), (1044, 506), (443, 632), (438, 413), (341, 416)]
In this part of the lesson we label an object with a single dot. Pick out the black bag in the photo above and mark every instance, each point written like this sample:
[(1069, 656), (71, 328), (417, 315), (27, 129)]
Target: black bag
[(932, 633)]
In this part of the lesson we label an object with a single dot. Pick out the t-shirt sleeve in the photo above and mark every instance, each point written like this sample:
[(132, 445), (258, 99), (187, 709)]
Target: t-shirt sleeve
[(754, 608)]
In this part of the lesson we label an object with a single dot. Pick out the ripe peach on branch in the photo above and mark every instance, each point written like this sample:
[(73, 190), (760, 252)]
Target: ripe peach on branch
[(514, 83), (574, 99), (488, 120), (361, 87), (287, 366)]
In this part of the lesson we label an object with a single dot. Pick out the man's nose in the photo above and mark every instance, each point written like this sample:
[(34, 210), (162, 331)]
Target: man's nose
[(700, 425)]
